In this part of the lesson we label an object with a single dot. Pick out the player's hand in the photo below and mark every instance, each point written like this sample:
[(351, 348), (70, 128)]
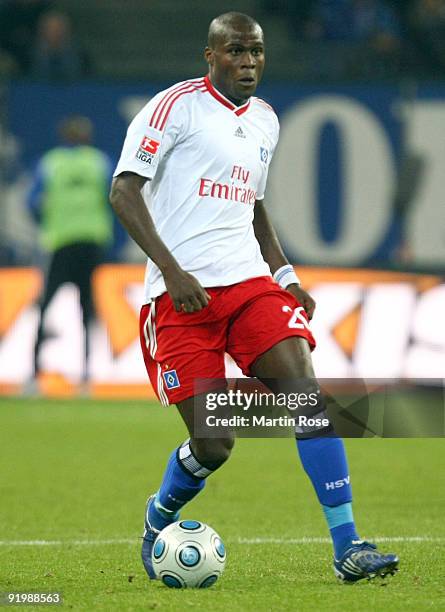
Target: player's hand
[(304, 298), (186, 291)]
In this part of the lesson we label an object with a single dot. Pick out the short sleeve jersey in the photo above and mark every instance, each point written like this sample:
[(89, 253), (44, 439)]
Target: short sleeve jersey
[(207, 161)]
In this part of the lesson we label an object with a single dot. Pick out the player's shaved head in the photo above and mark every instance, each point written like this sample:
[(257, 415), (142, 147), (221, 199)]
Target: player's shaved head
[(235, 55), (229, 23)]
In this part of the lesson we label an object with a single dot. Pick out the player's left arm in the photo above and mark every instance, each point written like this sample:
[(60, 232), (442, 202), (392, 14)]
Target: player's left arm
[(274, 256)]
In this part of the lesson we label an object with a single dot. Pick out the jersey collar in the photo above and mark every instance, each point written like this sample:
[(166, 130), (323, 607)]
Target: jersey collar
[(238, 110)]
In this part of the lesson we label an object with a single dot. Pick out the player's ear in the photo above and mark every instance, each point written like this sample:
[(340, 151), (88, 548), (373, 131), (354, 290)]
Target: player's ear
[(209, 56)]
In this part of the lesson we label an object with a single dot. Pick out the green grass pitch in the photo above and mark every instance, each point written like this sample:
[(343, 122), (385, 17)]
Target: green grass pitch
[(75, 476)]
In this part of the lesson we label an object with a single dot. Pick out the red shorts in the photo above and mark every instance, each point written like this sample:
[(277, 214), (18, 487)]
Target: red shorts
[(244, 320)]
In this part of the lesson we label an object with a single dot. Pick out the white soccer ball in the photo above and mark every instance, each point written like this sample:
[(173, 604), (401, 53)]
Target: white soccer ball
[(188, 554)]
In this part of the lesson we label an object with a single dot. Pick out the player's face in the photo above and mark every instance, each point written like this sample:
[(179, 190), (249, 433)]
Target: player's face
[(236, 63)]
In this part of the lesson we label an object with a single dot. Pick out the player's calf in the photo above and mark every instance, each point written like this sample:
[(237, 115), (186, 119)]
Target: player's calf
[(212, 452), (324, 460), (185, 476), (188, 467)]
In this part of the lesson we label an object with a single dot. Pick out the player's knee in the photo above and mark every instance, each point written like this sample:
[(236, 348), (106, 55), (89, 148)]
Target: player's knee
[(212, 453)]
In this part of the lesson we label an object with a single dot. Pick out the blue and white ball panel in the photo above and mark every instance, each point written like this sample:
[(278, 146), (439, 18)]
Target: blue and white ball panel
[(207, 582), (159, 548), (218, 548), (172, 581), (190, 556), (190, 525)]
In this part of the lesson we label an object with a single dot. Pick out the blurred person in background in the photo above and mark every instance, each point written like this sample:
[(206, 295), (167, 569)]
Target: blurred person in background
[(18, 26), (295, 13), (69, 199), (369, 28), (427, 24), (56, 55)]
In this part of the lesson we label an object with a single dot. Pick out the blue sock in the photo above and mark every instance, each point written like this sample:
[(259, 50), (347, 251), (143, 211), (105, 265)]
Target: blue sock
[(342, 527), (178, 487), (324, 461)]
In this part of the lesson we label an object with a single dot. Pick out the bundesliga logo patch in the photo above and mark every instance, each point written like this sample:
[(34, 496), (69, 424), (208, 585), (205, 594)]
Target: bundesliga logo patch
[(147, 150), (171, 379), (264, 155)]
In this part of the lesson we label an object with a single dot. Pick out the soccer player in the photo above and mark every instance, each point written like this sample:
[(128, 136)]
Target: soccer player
[(189, 188)]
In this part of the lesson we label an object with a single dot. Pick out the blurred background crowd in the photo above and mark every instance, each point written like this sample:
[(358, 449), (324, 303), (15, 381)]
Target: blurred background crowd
[(65, 40)]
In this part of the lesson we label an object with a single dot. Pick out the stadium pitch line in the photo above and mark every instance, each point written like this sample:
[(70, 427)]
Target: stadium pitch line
[(245, 541), (412, 539)]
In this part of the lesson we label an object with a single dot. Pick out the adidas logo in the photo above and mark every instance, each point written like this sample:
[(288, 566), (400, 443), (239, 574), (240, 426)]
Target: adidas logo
[(239, 133)]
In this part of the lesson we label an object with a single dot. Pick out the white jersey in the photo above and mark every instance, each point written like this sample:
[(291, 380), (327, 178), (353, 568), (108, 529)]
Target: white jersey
[(207, 161)]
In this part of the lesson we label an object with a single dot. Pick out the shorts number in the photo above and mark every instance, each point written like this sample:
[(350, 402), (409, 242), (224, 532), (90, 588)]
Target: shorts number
[(297, 320)]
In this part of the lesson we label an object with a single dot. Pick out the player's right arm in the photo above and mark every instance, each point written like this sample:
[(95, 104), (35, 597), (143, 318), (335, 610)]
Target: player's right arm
[(152, 134), (184, 289)]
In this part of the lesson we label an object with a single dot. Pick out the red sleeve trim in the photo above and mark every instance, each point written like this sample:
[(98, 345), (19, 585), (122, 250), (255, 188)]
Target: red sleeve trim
[(158, 118), (173, 100)]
